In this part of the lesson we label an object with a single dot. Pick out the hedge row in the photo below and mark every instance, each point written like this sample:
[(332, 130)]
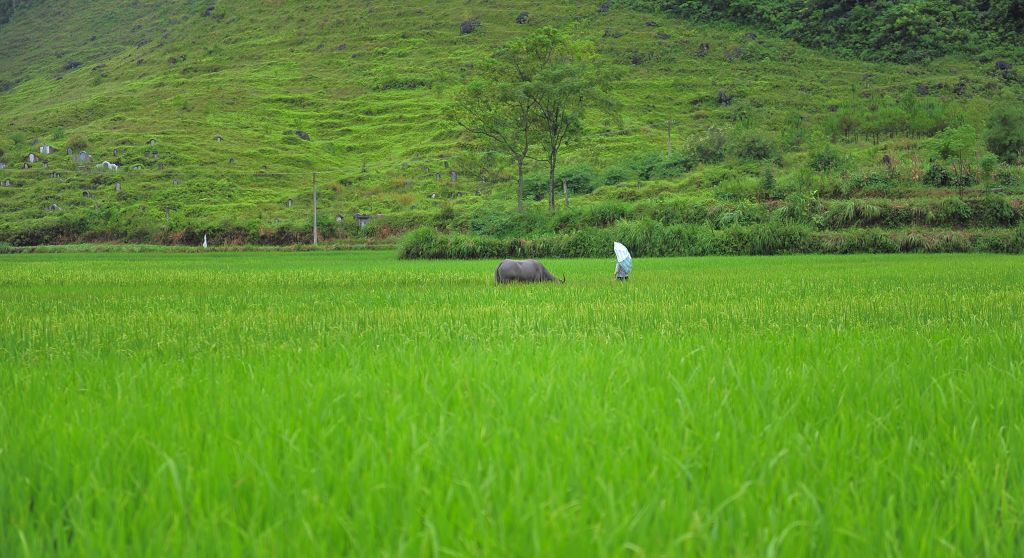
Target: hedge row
[(651, 238), (990, 211)]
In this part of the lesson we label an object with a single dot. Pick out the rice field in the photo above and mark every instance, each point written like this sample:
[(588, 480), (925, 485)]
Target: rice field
[(350, 404)]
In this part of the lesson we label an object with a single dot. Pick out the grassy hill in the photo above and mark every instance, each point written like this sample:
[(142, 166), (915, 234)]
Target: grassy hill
[(765, 132)]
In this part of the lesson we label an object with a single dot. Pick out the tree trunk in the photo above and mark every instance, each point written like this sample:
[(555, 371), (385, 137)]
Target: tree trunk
[(519, 193), (551, 180)]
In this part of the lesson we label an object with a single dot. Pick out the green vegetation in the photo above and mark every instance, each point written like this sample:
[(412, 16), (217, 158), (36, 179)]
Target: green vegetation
[(893, 30), (246, 101), (354, 404)]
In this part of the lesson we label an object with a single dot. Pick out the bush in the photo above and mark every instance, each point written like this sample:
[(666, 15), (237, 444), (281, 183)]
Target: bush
[(603, 214), (422, 243), (938, 175), (580, 179), (444, 218), (850, 213), (648, 238), (673, 212), (78, 143), (826, 158), (741, 188), (657, 166), (952, 211), (870, 241), (1009, 177), (993, 211), (1004, 134), (500, 223), (709, 148), (767, 239), (754, 146), (616, 175), (989, 163)]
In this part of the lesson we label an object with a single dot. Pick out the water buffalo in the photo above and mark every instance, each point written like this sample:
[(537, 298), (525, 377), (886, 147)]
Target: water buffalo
[(526, 271)]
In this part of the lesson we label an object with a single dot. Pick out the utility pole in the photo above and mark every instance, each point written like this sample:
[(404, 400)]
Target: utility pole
[(314, 209)]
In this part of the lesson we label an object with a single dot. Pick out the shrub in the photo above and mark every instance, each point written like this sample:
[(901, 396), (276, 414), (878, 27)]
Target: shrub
[(615, 175), (1009, 177), (993, 211), (422, 243), (800, 207), (741, 188), (401, 82), (767, 239), (690, 240), (850, 213), (603, 214), (989, 162), (673, 212), (952, 211), (656, 166), (444, 217), (871, 241), (938, 175), (500, 223), (709, 148), (78, 143), (826, 158), (1004, 134), (580, 179), (644, 237), (753, 146)]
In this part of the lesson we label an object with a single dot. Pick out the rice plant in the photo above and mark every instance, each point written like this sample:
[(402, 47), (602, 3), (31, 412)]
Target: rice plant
[(308, 404)]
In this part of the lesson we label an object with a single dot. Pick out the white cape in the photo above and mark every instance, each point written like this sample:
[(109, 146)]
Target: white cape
[(621, 253), (624, 260)]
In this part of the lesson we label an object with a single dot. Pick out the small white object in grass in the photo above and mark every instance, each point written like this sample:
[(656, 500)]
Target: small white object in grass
[(204, 241)]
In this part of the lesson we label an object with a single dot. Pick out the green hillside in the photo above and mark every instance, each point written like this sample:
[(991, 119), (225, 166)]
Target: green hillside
[(765, 133)]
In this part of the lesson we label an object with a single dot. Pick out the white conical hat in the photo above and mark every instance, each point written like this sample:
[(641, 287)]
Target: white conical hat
[(621, 253)]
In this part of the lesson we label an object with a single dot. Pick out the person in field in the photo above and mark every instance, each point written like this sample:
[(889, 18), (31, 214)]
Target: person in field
[(623, 262)]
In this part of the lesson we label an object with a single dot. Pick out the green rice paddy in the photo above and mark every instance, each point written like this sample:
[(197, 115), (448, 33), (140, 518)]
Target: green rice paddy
[(303, 404)]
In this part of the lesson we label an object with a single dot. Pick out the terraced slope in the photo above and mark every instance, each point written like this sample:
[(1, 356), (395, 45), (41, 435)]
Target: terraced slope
[(225, 88)]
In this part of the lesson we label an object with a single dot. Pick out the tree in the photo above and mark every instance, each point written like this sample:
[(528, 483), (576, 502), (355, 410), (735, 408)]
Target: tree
[(496, 105), (569, 83), (497, 109), (535, 88), (959, 146)]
